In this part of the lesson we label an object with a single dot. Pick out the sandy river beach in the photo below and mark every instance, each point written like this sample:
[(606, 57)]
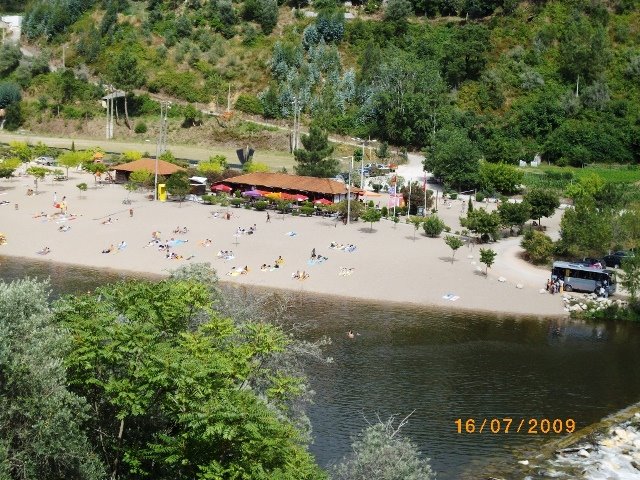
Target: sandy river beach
[(387, 264)]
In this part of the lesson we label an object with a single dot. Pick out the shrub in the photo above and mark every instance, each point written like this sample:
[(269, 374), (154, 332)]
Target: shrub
[(208, 199), (249, 104), (385, 211), (140, 127), (433, 226), (453, 196), (479, 197), (307, 211), (236, 202), (260, 205), (538, 246)]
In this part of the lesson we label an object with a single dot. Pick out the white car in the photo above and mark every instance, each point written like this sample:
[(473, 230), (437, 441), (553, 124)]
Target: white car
[(45, 161)]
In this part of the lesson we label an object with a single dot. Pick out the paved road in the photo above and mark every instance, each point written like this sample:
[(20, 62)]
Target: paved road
[(272, 158)]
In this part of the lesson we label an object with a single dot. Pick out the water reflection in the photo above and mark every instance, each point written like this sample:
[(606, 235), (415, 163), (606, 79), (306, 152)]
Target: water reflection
[(441, 366)]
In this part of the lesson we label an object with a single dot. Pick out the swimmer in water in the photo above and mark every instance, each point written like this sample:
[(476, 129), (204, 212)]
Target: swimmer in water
[(350, 334)]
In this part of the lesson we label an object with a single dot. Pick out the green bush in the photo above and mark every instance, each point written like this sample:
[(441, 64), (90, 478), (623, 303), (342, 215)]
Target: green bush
[(140, 127), (433, 226), (208, 199), (385, 211), (260, 205), (453, 196), (538, 246), (249, 104), (306, 211), (236, 202), (479, 197)]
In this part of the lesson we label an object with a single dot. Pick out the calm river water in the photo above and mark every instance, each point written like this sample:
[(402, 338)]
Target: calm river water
[(442, 366)]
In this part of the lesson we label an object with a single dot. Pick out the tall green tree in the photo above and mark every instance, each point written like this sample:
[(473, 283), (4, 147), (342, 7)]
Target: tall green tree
[(543, 203), (41, 421), (125, 73), (371, 215), (487, 256), (315, 159), (514, 214), (454, 158), (38, 174), (72, 159), (454, 244), (178, 391), (178, 185), (482, 223)]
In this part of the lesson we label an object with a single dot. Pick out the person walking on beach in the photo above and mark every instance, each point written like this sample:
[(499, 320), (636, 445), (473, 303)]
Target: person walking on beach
[(268, 218), (131, 212), (55, 198)]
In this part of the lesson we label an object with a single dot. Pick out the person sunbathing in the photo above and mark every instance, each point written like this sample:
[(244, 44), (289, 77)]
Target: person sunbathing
[(108, 250), (107, 221), (263, 267), (64, 228), (304, 275), (44, 251), (296, 274), (42, 214), (279, 260), (122, 245), (245, 270)]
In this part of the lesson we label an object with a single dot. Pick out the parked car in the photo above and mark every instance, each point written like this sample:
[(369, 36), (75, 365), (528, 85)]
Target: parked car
[(616, 258), (45, 161), (591, 262)]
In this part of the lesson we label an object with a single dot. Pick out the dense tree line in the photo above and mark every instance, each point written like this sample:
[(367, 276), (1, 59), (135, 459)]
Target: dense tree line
[(500, 81)]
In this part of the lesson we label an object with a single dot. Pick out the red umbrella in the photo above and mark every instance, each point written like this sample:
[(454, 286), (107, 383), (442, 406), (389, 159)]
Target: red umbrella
[(220, 188), (298, 197), (323, 201)]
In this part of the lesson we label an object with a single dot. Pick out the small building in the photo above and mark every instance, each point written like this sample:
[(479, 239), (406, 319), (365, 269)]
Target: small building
[(313, 187), (149, 164)]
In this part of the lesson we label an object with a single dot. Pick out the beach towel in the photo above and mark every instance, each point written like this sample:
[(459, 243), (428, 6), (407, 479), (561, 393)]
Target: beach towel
[(175, 243), (291, 234), (451, 297)]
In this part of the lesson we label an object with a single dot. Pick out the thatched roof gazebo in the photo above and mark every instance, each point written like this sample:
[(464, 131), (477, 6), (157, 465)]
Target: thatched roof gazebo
[(149, 164)]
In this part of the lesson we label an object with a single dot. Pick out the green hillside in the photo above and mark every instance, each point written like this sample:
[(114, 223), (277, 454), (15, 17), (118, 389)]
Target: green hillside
[(502, 80)]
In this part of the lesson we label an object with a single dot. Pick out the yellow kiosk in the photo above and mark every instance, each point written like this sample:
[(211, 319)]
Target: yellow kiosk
[(162, 192)]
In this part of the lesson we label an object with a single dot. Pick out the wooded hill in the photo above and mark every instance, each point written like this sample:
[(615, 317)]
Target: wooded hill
[(497, 79)]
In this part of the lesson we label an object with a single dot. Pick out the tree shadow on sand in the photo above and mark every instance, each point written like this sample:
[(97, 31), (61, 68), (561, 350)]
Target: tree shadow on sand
[(448, 259), (367, 230)]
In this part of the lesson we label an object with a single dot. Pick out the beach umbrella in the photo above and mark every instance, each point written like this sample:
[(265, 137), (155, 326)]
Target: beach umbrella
[(323, 201), (252, 193), (274, 195), (294, 197), (220, 188)]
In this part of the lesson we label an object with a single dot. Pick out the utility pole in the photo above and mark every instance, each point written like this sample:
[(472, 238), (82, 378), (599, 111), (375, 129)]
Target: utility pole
[(229, 99), (161, 146)]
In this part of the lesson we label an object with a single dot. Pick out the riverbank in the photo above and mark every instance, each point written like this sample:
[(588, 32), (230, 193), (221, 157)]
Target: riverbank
[(609, 449), (387, 264)]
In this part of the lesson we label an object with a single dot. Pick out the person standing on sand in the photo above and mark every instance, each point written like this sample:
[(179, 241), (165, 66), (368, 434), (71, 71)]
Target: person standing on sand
[(55, 198), (268, 218), (131, 212)]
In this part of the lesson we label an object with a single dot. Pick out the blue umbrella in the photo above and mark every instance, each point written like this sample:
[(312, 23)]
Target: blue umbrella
[(252, 193)]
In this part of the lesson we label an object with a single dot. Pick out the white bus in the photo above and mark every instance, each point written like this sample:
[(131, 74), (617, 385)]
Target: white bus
[(583, 278)]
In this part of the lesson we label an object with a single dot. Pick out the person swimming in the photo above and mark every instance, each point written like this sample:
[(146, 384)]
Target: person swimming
[(350, 334)]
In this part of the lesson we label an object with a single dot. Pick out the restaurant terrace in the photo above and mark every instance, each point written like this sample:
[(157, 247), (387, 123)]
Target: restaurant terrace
[(313, 188)]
